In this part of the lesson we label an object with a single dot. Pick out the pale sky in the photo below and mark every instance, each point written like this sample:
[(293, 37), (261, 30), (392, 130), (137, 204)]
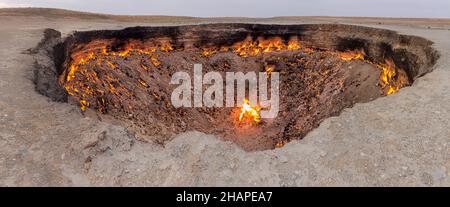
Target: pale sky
[(250, 8)]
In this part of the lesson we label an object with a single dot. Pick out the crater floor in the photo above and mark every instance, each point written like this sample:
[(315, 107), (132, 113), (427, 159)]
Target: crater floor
[(400, 140)]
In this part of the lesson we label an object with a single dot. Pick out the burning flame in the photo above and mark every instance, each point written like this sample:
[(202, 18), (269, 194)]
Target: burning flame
[(293, 45), (124, 53), (111, 65), (166, 46), (249, 47), (102, 55), (155, 61), (352, 55), (143, 83), (83, 104), (390, 78), (269, 68), (281, 143), (250, 113), (209, 51)]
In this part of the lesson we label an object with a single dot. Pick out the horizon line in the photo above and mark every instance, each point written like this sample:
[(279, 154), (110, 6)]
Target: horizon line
[(214, 17)]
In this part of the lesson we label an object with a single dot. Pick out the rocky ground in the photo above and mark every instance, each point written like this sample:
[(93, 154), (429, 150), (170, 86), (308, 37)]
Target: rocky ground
[(400, 140)]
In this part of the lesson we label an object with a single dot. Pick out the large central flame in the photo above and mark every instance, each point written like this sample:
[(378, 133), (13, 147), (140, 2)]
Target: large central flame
[(249, 113)]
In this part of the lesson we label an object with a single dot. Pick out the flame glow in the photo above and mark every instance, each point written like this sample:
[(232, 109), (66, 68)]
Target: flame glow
[(209, 51), (281, 143), (352, 55), (268, 68), (166, 46), (101, 54), (249, 113), (83, 104), (249, 47), (390, 79)]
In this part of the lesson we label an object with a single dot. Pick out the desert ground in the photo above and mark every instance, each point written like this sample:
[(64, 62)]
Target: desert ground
[(399, 140)]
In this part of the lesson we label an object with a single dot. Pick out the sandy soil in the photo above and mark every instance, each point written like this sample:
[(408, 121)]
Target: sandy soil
[(400, 140)]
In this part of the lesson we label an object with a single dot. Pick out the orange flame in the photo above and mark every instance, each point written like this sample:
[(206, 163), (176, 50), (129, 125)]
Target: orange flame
[(83, 104), (143, 83), (166, 46), (124, 53), (293, 45), (249, 47), (155, 60), (249, 112), (269, 68), (209, 51), (281, 143), (390, 79), (352, 55)]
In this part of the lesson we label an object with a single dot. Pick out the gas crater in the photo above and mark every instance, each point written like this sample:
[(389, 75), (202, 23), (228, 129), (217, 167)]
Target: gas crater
[(123, 76)]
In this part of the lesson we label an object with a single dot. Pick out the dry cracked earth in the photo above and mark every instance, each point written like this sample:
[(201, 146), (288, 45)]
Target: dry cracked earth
[(399, 140)]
